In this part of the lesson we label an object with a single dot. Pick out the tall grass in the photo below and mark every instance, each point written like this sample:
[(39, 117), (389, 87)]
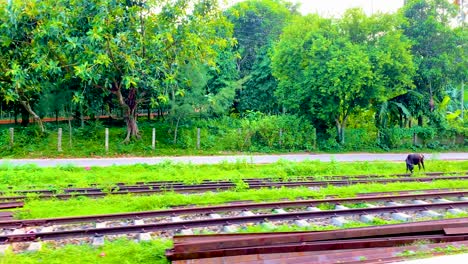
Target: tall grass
[(24, 177)]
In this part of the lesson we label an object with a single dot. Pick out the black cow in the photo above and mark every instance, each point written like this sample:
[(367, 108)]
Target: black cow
[(414, 159)]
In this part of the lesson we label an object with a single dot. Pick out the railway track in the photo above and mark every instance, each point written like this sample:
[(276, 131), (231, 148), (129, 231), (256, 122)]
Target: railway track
[(229, 218), (213, 186), (11, 205), (360, 245)]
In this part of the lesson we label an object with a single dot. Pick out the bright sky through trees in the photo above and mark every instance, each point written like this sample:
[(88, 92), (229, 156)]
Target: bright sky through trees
[(337, 7)]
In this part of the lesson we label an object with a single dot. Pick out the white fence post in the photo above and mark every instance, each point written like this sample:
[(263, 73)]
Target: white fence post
[(59, 140), (107, 140), (153, 140)]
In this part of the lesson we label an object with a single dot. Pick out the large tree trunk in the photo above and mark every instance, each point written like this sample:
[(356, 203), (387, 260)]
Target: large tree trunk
[(36, 118), (24, 117), (129, 106), (132, 126), (340, 127)]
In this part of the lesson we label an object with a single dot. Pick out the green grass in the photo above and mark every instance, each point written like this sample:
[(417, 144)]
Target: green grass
[(126, 251), (88, 142), (153, 252), (23, 177), (118, 251), (34, 208), (420, 254), (217, 138)]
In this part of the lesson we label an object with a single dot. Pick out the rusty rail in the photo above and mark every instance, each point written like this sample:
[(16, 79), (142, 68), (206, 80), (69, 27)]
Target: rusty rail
[(387, 241), (212, 246), (215, 222), (210, 186), (10, 238), (349, 256), (11, 205), (247, 206), (274, 179)]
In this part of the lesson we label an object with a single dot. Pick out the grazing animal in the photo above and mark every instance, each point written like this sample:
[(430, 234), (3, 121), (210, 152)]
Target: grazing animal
[(414, 159)]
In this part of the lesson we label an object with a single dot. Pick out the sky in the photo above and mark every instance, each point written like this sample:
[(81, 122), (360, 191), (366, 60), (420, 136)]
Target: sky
[(335, 8)]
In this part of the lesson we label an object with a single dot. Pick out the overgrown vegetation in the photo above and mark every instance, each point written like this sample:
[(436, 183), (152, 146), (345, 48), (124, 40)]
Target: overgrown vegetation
[(153, 252), (35, 208), (243, 74), (117, 251), (254, 134), (23, 177)]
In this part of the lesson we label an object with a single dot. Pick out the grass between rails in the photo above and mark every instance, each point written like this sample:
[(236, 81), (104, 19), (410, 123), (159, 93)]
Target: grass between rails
[(23, 177), (130, 252), (127, 251), (129, 203)]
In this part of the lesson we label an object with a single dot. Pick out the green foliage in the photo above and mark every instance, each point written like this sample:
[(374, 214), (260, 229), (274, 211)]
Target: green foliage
[(257, 25), (360, 139), (438, 50), (35, 208), (22, 177), (192, 61), (102, 48), (120, 250), (397, 137), (329, 70), (256, 132), (94, 131)]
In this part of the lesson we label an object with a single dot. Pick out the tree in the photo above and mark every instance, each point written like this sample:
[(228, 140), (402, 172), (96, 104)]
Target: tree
[(434, 49), (22, 77), (257, 25), (134, 52), (328, 69), (198, 99)]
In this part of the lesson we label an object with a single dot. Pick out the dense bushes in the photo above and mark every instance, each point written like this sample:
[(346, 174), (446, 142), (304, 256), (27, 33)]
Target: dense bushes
[(395, 138), (255, 132)]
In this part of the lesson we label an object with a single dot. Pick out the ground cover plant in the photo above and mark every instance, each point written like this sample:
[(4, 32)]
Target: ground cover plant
[(127, 251), (35, 208), (153, 252), (437, 251), (217, 137), (117, 251), (23, 177)]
